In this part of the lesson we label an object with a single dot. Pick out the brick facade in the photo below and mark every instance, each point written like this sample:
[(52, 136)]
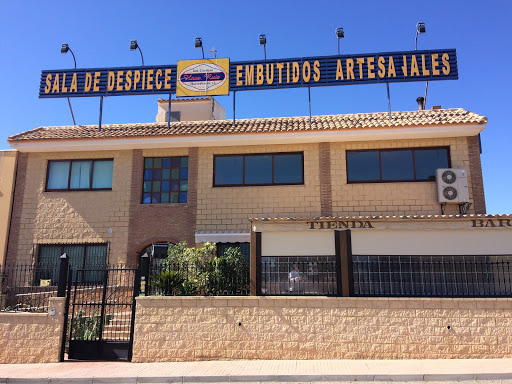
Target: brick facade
[(118, 217), (475, 168), (228, 328), (150, 223)]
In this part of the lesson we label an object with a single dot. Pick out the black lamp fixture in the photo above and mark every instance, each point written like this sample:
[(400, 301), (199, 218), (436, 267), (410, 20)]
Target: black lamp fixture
[(340, 34), (420, 28), (134, 46), (65, 48), (263, 41), (199, 44)]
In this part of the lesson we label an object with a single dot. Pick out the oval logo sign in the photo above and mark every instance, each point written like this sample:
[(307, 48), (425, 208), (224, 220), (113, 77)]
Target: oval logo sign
[(202, 77)]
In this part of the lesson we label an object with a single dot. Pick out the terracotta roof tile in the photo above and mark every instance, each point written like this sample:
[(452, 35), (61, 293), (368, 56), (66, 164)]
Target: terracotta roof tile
[(456, 116)]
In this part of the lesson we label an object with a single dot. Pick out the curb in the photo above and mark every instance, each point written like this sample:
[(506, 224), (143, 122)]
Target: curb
[(265, 378)]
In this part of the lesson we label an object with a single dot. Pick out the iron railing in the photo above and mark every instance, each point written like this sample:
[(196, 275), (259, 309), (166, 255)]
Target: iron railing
[(24, 287), (308, 275), (202, 278), (432, 276)]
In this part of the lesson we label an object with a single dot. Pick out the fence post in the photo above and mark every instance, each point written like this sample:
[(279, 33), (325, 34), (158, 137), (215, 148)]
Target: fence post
[(144, 273), (63, 275)]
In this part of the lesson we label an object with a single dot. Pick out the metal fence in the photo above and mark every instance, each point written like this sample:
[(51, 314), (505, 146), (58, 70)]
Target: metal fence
[(25, 287), (432, 276), (203, 278), (308, 275)]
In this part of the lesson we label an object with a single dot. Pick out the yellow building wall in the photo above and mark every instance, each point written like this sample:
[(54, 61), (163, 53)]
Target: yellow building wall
[(228, 208), (416, 198), (7, 174), (74, 217)]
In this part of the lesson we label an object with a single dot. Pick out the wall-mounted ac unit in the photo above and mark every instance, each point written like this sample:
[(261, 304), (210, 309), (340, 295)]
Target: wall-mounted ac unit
[(452, 185)]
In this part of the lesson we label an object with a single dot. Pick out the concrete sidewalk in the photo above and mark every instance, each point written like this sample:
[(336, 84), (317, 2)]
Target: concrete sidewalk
[(259, 371)]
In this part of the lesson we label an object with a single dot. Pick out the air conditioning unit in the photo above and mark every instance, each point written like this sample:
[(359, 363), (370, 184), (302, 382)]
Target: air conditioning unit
[(452, 185)]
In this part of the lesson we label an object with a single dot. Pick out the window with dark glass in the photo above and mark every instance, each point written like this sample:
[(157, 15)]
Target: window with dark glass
[(79, 175), (165, 180), (85, 260), (396, 165), (259, 169)]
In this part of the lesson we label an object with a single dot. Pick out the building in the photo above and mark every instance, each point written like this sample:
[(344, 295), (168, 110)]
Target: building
[(111, 195), (7, 175)]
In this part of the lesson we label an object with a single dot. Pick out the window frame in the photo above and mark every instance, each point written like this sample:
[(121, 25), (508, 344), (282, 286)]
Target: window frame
[(380, 150), (244, 155), (161, 168), (69, 189)]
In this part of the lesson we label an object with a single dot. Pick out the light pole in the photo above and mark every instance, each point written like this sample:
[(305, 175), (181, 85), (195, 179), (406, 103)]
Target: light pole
[(263, 41), (340, 34), (199, 44), (134, 46), (64, 49), (420, 28)]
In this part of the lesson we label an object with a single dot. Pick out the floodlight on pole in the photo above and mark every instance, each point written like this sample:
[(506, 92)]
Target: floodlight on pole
[(420, 28), (199, 44), (134, 46), (340, 34), (263, 41), (64, 49)]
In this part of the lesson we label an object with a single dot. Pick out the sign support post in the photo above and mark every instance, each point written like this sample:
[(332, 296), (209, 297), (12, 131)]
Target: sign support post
[(389, 101), (169, 117), (234, 95), (309, 98), (101, 113)]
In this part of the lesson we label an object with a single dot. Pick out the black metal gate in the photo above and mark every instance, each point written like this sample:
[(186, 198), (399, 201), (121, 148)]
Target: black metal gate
[(102, 312)]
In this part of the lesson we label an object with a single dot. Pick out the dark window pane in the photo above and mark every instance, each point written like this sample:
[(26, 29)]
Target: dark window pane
[(58, 174), (397, 165), (175, 162), (228, 170), (102, 174), (175, 174), (165, 198), (148, 162), (184, 162), (427, 161), (147, 198), (363, 166), (175, 185), (183, 185), (166, 174), (165, 186), (147, 174), (80, 174), (155, 198), (174, 197), (166, 162), (156, 186), (157, 174), (157, 162), (183, 197), (147, 186), (288, 169), (184, 173), (258, 169)]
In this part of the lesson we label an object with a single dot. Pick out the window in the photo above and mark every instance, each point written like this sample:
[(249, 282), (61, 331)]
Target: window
[(396, 165), (79, 175), (165, 180), (260, 169), (81, 256)]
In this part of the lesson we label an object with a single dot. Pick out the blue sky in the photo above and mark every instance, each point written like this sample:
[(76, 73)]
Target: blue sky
[(99, 32)]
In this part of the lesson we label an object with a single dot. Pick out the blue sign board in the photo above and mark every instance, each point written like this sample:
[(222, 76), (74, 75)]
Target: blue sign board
[(386, 67)]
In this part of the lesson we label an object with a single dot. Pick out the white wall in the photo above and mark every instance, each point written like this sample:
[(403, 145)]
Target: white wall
[(297, 243), (433, 242)]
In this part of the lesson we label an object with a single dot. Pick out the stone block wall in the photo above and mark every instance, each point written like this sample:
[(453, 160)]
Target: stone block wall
[(407, 198), (227, 328), (32, 337)]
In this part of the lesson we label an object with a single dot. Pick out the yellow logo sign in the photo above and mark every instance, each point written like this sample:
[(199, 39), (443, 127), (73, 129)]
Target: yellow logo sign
[(203, 77)]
